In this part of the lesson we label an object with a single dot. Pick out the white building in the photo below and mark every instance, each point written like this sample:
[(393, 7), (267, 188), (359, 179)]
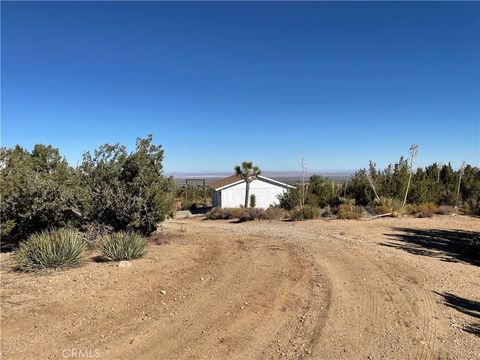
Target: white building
[(230, 192)]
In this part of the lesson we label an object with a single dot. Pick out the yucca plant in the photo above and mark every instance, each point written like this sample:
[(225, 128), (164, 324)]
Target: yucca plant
[(51, 249), (123, 246)]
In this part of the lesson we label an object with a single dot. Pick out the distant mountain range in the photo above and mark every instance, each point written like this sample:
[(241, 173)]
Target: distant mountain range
[(283, 176)]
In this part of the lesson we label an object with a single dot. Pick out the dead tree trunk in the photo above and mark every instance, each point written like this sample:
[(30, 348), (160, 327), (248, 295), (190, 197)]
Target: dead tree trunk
[(413, 154)]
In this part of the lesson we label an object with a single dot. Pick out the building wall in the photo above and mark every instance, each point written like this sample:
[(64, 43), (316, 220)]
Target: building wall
[(266, 194), (217, 199)]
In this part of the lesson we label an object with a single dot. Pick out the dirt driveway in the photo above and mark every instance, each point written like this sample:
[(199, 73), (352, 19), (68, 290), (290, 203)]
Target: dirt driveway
[(383, 289)]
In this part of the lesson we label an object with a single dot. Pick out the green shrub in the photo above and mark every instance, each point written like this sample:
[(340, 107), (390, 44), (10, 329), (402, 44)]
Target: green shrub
[(253, 201), (290, 199), (127, 190), (307, 213), (39, 191), (123, 246), (346, 211), (51, 249), (274, 213), (311, 212)]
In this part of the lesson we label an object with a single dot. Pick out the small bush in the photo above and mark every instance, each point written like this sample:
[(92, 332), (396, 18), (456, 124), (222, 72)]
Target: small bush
[(346, 211), (410, 209), (326, 212), (275, 213), (446, 210), (236, 213), (296, 214), (51, 249), (253, 201), (388, 206), (217, 214), (249, 214), (426, 210), (123, 246), (307, 213), (471, 207), (93, 232), (311, 212), (229, 213)]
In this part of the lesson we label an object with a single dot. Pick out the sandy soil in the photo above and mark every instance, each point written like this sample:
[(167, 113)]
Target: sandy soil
[(382, 289)]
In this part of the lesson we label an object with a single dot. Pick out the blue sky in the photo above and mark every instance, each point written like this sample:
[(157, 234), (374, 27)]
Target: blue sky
[(218, 83)]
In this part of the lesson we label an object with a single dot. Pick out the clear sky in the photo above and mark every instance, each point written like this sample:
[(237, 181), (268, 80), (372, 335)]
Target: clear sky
[(217, 83)]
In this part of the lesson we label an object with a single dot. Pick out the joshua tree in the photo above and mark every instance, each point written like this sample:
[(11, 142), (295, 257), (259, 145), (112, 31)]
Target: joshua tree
[(247, 172)]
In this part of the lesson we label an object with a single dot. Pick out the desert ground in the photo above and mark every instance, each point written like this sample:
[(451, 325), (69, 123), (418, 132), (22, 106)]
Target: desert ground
[(341, 289)]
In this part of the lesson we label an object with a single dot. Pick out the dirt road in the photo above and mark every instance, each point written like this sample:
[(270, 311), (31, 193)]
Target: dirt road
[(384, 289)]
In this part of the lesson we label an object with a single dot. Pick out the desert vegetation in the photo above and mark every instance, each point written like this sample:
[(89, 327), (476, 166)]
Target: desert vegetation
[(248, 214), (111, 190), (51, 249), (113, 198), (190, 196), (122, 246), (393, 191), (372, 193)]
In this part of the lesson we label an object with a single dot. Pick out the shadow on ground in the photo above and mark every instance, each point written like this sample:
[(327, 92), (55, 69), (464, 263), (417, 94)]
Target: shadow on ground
[(447, 245), (468, 307)]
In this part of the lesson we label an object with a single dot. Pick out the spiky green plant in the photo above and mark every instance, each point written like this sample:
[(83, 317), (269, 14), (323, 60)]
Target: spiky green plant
[(51, 249), (123, 246)]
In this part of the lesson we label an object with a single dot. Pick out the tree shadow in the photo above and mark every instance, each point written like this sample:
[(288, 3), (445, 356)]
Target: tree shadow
[(468, 307), (8, 247), (200, 210), (447, 245)]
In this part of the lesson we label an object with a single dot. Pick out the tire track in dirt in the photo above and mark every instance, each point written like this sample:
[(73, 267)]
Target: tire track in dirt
[(275, 281), (378, 308), (219, 290), (207, 296)]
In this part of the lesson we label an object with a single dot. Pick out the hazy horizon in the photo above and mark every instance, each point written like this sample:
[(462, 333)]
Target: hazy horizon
[(218, 83)]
